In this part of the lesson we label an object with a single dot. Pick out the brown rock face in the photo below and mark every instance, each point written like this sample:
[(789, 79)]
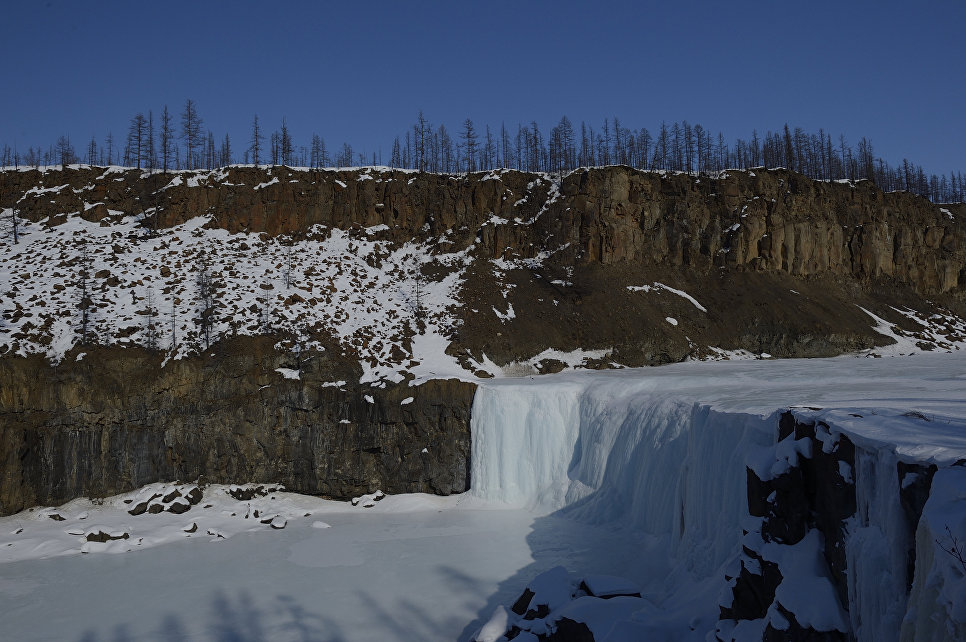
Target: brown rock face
[(116, 420), (772, 221)]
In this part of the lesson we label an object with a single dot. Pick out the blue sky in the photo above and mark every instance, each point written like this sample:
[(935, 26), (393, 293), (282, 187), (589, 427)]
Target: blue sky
[(359, 72)]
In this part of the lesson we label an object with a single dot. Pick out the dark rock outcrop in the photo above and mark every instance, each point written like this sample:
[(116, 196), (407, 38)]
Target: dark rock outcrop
[(915, 482), (555, 607), (117, 420)]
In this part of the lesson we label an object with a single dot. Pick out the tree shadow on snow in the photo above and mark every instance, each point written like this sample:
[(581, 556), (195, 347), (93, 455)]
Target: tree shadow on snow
[(234, 618)]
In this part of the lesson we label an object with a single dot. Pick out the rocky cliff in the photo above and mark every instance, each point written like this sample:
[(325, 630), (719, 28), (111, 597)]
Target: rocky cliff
[(771, 221), (148, 321), (778, 261), (117, 420)]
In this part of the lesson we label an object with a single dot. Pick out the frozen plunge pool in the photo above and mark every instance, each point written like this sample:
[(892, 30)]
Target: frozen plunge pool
[(377, 574), (639, 474)]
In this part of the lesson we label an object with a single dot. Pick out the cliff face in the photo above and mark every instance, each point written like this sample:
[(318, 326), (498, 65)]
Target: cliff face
[(116, 420), (772, 221), (170, 285)]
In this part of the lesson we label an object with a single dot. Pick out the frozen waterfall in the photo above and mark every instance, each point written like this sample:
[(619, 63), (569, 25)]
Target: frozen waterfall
[(667, 452)]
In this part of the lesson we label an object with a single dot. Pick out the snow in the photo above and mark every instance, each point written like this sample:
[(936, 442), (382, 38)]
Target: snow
[(344, 284), (505, 316), (805, 589), (493, 630), (274, 181), (636, 474), (902, 345), (572, 360), (661, 286), (366, 577), (605, 585), (288, 373)]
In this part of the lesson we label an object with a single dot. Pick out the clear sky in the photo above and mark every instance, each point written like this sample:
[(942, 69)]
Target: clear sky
[(360, 71)]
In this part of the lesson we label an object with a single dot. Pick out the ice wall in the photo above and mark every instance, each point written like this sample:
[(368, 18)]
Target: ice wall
[(671, 456), (611, 449)]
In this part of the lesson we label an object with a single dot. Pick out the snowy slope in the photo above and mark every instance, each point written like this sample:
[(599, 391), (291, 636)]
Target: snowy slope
[(396, 307), (392, 307), (361, 290)]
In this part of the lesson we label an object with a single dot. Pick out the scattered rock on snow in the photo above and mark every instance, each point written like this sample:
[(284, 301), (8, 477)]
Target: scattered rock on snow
[(279, 523), (101, 536)]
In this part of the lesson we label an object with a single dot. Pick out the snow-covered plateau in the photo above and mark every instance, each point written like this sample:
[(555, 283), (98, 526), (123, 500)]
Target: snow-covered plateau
[(789, 499)]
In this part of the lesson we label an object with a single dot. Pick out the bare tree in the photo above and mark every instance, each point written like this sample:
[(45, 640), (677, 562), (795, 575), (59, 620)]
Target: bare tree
[(150, 156), (421, 132), (92, 152), (206, 300), (469, 145), (689, 145), (345, 156), (109, 144), (289, 265), (85, 303), (955, 548), (210, 151), (191, 132), (174, 327), (255, 144), (224, 157), (418, 311), (65, 152), (285, 144), (275, 148), (15, 225), (167, 139), (151, 333), (319, 156), (135, 140)]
